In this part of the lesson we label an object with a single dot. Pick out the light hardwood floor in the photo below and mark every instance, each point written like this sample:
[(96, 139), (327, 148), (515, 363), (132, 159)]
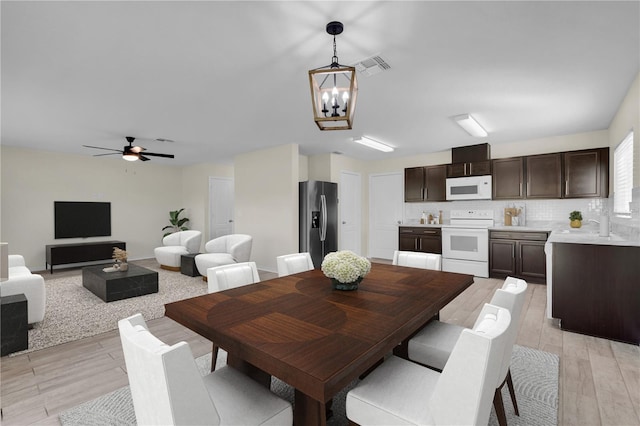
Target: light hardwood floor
[(599, 378)]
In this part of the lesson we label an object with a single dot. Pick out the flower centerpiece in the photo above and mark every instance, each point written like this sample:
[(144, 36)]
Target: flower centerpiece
[(345, 268)]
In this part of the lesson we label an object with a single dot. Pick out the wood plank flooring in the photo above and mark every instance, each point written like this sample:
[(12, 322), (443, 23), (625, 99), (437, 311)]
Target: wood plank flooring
[(599, 378)]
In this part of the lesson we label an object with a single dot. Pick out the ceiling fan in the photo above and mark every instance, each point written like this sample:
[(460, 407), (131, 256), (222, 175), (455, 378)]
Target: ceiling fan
[(133, 152)]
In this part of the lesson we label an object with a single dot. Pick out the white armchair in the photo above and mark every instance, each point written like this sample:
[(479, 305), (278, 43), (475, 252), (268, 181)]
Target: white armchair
[(22, 281), (168, 389), (402, 392), (293, 263), (233, 248), (414, 259), (174, 246)]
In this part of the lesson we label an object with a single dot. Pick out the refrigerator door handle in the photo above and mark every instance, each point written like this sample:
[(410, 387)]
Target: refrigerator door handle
[(323, 217)]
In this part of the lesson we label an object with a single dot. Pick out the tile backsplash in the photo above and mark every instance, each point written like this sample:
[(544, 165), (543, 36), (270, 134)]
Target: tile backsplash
[(537, 211)]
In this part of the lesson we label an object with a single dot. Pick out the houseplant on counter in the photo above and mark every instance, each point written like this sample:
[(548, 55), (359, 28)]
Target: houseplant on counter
[(576, 219), (177, 223), (345, 268)]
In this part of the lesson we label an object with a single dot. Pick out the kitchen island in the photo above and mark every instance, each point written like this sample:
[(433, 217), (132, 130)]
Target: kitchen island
[(592, 283)]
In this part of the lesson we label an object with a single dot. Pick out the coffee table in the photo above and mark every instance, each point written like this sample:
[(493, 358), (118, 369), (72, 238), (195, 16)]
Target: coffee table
[(111, 286)]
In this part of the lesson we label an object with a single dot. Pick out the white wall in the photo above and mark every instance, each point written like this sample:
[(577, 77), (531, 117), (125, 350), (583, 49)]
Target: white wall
[(141, 196), (266, 202)]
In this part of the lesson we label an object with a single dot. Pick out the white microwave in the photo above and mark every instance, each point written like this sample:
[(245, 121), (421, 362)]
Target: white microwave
[(469, 188)]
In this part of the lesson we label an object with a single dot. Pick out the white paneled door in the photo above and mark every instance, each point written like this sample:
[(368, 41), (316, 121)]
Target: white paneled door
[(386, 198), (220, 206), (350, 212)]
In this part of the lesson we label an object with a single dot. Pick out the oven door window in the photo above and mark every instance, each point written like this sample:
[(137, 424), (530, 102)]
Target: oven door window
[(464, 243)]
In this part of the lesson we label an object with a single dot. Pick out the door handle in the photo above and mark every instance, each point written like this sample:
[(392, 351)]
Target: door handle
[(230, 220), (323, 219), (344, 223)]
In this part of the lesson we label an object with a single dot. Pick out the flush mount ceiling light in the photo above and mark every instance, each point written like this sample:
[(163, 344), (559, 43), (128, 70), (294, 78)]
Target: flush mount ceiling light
[(373, 144), (333, 90), (468, 123)]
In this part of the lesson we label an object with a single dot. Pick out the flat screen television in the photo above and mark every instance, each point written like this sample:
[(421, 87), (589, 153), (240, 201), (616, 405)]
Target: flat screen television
[(82, 219)]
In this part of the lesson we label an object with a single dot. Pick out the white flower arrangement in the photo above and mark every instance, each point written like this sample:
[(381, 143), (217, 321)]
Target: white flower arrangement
[(345, 266)]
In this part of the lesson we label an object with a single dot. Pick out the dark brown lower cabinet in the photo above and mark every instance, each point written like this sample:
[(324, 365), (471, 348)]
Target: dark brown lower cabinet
[(518, 254), (427, 240), (595, 290)]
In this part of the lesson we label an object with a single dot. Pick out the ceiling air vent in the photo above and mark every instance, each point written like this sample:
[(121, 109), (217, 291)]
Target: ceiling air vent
[(371, 66)]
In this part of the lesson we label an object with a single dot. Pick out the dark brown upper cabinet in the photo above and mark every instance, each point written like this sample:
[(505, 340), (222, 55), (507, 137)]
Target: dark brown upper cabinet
[(508, 178), (544, 176), (586, 173), (472, 160), (426, 183)]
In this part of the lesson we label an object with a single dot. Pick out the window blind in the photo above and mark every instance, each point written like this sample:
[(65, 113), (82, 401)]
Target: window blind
[(623, 175)]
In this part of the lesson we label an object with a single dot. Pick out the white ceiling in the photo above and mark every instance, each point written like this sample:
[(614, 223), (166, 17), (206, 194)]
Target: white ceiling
[(222, 78)]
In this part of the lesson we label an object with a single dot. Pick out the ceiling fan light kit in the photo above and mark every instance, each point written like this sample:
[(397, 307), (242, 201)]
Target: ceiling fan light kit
[(468, 123), (131, 152), (333, 90)]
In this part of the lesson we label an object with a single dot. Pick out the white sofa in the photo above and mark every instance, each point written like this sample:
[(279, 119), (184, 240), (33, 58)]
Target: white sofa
[(22, 281)]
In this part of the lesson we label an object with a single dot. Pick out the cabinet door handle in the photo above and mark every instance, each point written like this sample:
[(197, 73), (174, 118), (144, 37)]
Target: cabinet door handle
[(566, 186), (521, 189), (513, 252), (426, 194), (465, 168), (415, 244)]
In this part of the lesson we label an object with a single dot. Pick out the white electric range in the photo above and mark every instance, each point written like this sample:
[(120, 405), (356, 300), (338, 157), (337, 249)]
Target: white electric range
[(465, 242)]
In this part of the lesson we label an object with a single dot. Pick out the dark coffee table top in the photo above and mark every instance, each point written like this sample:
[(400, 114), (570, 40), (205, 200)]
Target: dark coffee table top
[(133, 271)]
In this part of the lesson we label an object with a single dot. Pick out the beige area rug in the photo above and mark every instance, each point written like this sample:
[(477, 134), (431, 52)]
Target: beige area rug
[(73, 312)]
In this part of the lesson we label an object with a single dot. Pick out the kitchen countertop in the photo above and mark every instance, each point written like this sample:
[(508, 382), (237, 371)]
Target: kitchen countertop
[(559, 232)]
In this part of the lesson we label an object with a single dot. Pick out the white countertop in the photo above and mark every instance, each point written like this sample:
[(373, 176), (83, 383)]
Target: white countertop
[(560, 232)]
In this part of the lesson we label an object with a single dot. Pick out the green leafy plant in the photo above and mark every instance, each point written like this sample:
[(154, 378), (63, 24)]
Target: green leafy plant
[(177, 223), (575, 215)]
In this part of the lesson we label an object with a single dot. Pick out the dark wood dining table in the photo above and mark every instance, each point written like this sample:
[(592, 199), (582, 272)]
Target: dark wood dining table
[(316, 339)]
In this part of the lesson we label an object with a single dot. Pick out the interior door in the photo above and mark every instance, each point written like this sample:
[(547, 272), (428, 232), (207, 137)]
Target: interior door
[(350, 212), (386, 196), (221, 196)]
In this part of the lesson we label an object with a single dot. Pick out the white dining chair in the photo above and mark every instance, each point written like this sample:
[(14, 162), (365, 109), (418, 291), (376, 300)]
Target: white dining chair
[(432, 346), (168, 389), (226, 277), (402, 392), (415, 259), (293, 263)]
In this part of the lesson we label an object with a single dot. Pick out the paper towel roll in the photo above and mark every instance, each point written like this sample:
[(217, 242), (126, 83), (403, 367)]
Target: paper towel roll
[(604, 226)]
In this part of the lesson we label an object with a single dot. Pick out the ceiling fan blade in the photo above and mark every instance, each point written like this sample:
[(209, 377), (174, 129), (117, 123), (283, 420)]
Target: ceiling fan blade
[(143, 158), (99, 147), (154, 154), (111, 153)]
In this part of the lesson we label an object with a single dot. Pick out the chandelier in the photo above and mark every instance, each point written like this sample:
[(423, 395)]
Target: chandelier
[(333, 90)]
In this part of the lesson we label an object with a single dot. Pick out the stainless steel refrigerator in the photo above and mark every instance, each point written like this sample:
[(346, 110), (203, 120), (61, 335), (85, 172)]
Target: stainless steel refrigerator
[(318, 219)]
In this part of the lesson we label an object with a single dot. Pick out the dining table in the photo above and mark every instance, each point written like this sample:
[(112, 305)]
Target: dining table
[(314, 338)]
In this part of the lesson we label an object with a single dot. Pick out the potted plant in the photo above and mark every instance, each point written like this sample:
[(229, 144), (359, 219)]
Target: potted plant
[(576, 219), (346, 269), (177, 223)]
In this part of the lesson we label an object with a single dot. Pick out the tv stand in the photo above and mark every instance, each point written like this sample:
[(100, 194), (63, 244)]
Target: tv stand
[(60, 254)]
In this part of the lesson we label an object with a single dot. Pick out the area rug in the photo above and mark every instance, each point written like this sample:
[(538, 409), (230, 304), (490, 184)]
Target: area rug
[(534, 372), (73, 312)]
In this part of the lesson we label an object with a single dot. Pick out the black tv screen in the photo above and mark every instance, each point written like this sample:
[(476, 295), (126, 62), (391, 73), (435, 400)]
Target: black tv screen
[(82, 219)]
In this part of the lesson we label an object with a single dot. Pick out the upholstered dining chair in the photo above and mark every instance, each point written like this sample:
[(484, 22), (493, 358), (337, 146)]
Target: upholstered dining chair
[(433, 345), (224, 250), (174, 246), (168, 389), (403, 392), (225, 277), (417, 260), (293, 263)]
